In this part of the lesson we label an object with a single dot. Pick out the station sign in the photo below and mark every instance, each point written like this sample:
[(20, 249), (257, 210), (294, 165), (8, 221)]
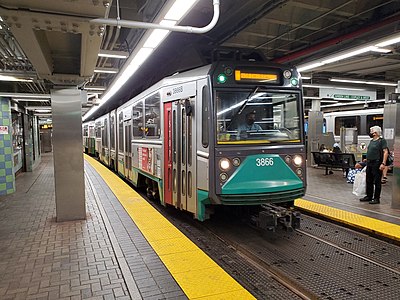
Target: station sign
[(351, 95)]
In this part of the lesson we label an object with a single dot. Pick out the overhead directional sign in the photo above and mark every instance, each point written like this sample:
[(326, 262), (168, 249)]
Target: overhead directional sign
[(343, 94)]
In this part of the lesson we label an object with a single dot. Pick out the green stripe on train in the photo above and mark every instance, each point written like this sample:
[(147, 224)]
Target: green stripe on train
[(262, 173)]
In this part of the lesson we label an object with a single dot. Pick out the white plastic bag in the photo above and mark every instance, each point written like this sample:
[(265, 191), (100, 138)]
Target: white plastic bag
[(360, 183)]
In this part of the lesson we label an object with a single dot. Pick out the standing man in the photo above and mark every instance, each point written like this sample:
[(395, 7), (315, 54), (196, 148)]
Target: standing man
[(377, 155)]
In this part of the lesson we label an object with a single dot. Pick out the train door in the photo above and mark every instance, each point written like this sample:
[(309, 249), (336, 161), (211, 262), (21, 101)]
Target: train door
[(120, 139), (128, 143), (168, 153), (113, 164), (183, 144)]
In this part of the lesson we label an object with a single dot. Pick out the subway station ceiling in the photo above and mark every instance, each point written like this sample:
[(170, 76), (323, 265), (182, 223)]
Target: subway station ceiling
[(53, 43)]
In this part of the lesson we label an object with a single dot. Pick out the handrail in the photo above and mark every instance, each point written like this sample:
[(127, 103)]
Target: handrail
[(186, 29)]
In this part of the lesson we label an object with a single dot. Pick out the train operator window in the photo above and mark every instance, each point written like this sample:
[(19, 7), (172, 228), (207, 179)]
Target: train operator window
[(373, 120), (137, 119), (152, 116), (112, 133), (347, 122), (256, 116), (120, 132)]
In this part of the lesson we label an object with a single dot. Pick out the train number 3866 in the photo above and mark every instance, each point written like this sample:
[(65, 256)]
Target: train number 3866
[(264, 162)]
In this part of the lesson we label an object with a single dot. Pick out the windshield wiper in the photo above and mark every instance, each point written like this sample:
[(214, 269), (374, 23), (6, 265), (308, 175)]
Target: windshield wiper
[(247, 100)]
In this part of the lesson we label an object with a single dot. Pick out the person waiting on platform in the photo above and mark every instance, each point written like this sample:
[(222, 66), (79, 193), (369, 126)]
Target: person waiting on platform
[(377, 155)]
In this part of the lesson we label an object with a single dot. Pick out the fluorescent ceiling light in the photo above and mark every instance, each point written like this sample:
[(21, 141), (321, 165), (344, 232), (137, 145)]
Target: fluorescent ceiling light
[(375, 46), (12, 78), (23, 95), (363, 82), (43, 110), (38, 107), (380, 50), (95, 88), (113, 54), (179, 9), (158, 35), (332, 87), (30, 100), (141, 56), (175, 13), (312, 98), (329, 101), (388, 42), (346, 55), (106, 70), (305, 77), (310, 66)]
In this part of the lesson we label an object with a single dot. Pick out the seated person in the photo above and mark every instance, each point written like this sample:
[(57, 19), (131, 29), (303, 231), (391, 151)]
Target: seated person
[(244, 129), (323, 148), (250, 125)]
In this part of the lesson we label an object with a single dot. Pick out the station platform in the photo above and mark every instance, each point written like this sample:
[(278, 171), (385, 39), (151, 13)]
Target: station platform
[(125, 249), (331, 196)]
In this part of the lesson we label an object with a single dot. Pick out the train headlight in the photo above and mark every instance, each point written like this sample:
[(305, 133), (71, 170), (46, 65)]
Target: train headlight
[(224, 164), (223, 177), (236, 161), (297, 160), (287, 74)]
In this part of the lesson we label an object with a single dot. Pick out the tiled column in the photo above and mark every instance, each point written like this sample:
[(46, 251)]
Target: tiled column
[(7, 178)]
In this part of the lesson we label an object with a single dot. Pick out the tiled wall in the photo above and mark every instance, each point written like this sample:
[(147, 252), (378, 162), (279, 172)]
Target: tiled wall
[(7, 178)]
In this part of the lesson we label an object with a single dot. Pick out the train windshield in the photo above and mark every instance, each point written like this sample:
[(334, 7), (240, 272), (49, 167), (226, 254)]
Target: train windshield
[(257, 117)]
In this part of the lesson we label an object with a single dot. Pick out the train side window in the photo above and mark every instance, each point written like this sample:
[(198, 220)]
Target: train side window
[(374, 120), (347, 122), (121, 132), (112, 133), (137, 120), (152, 116), (205, 105), (98, 129), (105, 141)]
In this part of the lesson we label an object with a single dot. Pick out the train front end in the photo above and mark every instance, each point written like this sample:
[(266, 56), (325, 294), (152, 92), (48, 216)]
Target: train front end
[(259, 154)]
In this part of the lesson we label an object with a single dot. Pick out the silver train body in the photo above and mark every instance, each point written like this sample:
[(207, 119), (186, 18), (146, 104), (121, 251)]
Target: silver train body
[(361, 119), (177, 139)]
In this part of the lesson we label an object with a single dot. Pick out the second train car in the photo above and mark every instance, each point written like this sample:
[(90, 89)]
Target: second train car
[(229, 133)]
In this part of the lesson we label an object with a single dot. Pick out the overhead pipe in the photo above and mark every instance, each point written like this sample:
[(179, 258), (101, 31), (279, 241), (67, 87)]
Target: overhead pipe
[(336, 40), (186, 29)]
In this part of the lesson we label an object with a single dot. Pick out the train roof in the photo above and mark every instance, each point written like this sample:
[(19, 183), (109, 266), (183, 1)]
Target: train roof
[(177, 78), (355, 112)]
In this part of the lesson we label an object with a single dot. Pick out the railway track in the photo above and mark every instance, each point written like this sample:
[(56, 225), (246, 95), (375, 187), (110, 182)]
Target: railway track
[(320, 260)]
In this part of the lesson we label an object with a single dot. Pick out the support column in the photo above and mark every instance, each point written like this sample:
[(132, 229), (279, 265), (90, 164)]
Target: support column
[(7, 178), (66, 107), (314, 132), (28, 143), (391, 126)]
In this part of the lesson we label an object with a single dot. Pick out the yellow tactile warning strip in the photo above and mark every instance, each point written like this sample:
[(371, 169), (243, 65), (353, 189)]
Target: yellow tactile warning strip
[(197, 274), (383, 228)]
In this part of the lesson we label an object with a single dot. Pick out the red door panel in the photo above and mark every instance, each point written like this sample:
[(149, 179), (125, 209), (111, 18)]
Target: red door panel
[(168, 153)]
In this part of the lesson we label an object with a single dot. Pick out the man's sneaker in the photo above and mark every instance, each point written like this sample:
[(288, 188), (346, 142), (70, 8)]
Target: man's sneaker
[(374, 201)]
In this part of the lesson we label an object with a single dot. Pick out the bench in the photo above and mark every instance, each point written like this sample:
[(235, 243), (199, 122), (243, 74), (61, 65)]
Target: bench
[(334, 160)]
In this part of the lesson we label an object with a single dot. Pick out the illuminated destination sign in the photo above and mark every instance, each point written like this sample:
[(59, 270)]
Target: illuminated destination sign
[(252, 76)]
